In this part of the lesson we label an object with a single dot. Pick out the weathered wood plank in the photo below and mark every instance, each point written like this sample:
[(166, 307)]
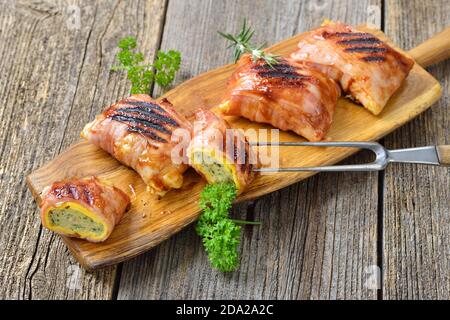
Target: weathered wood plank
[(317, 237), (55, 77), (416, 224)]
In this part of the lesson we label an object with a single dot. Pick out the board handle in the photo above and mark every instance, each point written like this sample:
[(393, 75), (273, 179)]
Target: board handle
[(443, 152), (434, 50)]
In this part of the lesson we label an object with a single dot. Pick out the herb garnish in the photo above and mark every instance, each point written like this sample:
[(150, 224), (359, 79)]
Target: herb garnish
[(241, 44), (142, 76), (220, 234)]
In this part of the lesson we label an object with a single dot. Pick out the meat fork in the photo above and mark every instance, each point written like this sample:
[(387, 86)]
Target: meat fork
[(430, 155)]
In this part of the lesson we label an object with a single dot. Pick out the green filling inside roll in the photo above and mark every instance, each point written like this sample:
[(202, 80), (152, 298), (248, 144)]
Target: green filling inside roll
[(214, 171), (73, 220)]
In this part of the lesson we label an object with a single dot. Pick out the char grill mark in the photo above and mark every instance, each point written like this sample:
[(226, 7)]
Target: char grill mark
[(148, 109), (281, 75), (88, 195), (62, 192), (134, 126), (366, 49), (240, 154), (133, 121), (75, 192), (282, 72), (351, 34), (147, 133), (246, 165), (145, 118), (283, 67), (235, 151)]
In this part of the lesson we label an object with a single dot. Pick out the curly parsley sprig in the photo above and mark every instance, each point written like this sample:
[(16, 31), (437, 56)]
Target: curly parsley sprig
[(142, 76), (241, 44), (220, 234)]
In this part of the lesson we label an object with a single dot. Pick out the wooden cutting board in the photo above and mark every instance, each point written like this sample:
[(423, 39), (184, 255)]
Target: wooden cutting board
[(150, 221)]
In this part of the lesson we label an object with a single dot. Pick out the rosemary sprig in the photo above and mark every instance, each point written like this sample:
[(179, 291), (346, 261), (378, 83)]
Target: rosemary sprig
[(241, 44)]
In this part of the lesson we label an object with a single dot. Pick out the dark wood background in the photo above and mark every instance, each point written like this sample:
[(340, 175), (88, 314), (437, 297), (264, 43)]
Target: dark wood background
[(323, 238)]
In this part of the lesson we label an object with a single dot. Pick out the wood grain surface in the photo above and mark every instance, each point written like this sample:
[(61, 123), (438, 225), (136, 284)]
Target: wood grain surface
[(319, 237)]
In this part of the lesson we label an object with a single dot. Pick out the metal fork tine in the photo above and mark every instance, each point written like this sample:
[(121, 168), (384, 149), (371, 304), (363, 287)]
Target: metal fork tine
[(379, 163)]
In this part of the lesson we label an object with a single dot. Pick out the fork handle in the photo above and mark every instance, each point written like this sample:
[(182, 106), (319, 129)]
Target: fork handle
[(443, 152)]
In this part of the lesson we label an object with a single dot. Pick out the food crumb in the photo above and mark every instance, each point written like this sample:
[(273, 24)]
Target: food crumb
[(133, 193), (166, 212)]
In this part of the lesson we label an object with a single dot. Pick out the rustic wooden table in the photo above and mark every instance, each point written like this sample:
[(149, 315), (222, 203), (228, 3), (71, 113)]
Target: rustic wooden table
[(325, 238)]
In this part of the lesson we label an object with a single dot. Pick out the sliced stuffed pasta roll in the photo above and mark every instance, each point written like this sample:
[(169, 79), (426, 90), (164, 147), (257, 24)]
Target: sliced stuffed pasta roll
[(83, 208), (137, 131), (287, 95), (219, 153)]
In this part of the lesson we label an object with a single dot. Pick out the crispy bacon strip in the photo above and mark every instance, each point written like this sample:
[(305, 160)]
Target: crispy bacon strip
[(137, 131), (289, 96), (83, 208), (367, 68)]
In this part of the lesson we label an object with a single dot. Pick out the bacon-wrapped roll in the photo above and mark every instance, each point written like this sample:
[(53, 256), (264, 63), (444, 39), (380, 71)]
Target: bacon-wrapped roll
[(83, 208), (220, 153), (370, 70), (137, 131), (289, 96)]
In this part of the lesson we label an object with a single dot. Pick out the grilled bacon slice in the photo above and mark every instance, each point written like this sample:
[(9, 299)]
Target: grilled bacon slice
[(289, 96), (137, 131), (219, 153), (83, 208), (370, 70)]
